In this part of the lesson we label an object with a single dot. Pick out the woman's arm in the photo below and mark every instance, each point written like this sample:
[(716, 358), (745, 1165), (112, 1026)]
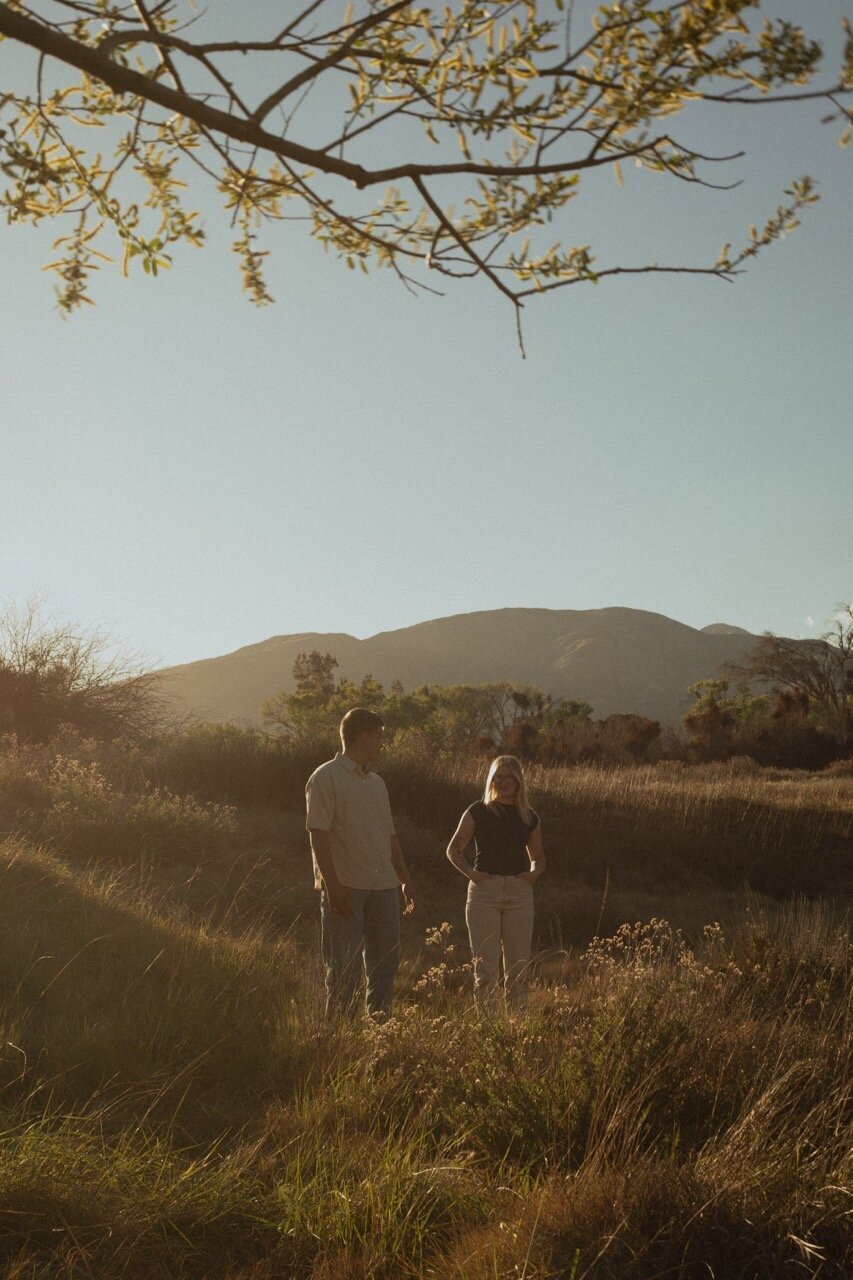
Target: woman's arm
[(462, 837), (536, 855)]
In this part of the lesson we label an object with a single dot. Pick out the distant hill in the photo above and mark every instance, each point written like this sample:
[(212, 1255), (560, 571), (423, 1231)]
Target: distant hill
[(723, 629), (615, 659)]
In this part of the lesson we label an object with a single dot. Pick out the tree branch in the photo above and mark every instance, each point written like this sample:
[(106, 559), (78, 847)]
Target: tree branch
[(317, 68)]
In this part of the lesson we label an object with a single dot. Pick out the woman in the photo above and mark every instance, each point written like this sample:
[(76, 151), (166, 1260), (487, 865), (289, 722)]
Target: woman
[(508, 860)]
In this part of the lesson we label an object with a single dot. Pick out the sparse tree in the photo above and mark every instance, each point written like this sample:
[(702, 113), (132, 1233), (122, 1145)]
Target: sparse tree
[(437, 142), (819, 670), (53, 674)]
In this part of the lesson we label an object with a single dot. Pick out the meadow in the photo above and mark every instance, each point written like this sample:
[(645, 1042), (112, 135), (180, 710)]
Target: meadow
[(676, 1102)]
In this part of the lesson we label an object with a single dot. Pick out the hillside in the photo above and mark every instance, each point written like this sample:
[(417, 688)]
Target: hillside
[(616, 659)]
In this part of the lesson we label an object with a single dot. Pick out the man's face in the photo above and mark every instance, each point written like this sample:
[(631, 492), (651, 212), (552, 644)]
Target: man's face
[(372, 743)]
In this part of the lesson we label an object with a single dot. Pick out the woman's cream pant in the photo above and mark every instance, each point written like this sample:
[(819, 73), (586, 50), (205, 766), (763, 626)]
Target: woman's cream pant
[(499, 915)]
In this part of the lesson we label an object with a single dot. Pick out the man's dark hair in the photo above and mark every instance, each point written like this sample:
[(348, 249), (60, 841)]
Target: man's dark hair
[(358, 721)]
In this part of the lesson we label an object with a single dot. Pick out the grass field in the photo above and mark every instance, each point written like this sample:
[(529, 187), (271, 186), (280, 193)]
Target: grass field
[(677, 1102)]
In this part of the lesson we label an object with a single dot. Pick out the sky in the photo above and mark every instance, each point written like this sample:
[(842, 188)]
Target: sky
[(194, 474)]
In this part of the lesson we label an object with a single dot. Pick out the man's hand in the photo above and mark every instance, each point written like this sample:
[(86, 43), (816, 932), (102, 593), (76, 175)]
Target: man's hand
[(408, 898), (339, 900)]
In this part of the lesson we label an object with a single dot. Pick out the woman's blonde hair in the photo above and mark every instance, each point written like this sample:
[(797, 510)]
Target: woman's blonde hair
[(514, 766)]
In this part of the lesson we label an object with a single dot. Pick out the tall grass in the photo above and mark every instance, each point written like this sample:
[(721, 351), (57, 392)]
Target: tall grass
[(672, 825), (672, 1104), (105, 990), (171, 1105), (97, 801)]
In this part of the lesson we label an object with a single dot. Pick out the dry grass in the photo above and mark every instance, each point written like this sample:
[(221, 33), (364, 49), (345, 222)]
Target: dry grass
[(171, 1105), (668, 825), (677, 1102)]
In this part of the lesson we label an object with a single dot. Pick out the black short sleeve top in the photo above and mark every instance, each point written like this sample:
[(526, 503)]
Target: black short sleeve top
[(500, 838)]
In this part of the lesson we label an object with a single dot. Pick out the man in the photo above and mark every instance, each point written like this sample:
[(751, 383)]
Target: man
[(359, 869)]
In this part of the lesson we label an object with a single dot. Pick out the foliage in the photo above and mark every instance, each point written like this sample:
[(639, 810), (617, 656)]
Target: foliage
[(53, 674), (639, 826), (461, 719), (171, 1105), (466, 718), (790, 730), (449, 138), (314, 672), (818, 672), (221, 762), (319, 703), (715, 717), (71, 802), (790, 736)]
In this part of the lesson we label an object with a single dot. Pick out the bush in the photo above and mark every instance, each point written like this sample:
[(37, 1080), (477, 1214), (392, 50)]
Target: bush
[(226, 762), (89, 816), (71, 801), (53, 674)]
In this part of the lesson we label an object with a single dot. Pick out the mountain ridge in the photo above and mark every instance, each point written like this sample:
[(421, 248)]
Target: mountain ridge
[(618, 659)]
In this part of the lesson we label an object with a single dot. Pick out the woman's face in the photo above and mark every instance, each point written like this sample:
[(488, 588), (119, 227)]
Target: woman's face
[(505, 785)]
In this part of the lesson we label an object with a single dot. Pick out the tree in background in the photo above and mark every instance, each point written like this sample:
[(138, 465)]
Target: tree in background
[(314, 672), (566, 730), (788, 736), (716, 717), (438, 718), (54, 675), (819, 672), (437, 142), (451, 719), (460, 719), (636, 734), (318, 703)]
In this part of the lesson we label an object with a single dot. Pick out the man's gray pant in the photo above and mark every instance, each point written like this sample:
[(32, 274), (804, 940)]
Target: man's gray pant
[(367, 941)]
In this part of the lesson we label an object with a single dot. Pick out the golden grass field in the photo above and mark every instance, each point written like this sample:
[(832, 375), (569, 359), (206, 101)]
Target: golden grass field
[(676, 1102)]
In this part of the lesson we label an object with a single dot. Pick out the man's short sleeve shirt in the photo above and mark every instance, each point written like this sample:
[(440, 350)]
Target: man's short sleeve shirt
[(352, 804)]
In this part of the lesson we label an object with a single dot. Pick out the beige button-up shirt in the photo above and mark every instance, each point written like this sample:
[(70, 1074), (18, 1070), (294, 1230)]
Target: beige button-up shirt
[(352, 804)]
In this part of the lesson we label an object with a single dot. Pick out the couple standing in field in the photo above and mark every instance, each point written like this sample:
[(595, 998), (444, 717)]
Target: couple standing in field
[(360, 871)]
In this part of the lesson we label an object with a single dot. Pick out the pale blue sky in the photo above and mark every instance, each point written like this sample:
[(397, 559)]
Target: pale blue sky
[(197, 475)]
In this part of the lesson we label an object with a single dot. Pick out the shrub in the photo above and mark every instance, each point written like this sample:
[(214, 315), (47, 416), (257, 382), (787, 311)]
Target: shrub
[(71, 802), (53, 674), (236, 765), (88, 815)]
